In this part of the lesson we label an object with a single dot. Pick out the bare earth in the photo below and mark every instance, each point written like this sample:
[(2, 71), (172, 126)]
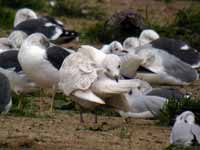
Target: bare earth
[(63, 131)]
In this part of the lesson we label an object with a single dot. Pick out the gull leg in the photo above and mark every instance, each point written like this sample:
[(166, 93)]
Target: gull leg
[(95, 118), (81, 116), (52, 98)]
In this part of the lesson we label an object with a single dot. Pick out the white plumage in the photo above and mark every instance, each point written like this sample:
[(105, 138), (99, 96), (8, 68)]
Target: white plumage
[(185, 131)]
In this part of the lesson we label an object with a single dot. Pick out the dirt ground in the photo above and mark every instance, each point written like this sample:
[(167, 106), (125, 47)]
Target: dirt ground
[(62, 130)]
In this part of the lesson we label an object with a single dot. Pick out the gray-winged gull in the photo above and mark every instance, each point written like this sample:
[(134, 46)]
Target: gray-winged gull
[(5, 94), (178, 48), (146, 104), (88, 75), (41, 61), (163, 68), (185, 131)]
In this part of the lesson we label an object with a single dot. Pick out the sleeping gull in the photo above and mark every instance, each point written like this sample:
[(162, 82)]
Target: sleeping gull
[(158, 68), (5, 94), (146, 104), (88, 74), (50, 27), (10, 67), (25, 14), (178, 48), (113, 47), (145, 37), (41, 61), (185, 131)]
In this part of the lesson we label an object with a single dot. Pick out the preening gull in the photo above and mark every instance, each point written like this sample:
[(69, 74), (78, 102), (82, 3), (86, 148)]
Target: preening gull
[(90, 76), (41, 61), (185, 131), (5, 94), (10, 67), (51, 28), (162, 70)]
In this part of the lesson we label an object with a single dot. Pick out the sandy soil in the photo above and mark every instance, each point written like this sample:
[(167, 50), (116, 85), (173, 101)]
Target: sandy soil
[(63, 131)]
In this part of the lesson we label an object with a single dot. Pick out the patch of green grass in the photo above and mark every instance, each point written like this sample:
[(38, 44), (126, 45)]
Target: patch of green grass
[(173, 147), (16, 4), (81, 9), (173, 108), (7, 19)]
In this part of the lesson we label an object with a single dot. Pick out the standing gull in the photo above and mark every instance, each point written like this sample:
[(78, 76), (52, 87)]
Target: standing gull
[(41, 61), (185, 131), (5, 94), (10, 67)]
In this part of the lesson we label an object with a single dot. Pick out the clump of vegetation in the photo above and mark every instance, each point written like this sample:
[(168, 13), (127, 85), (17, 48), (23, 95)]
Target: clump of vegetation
[(77, 8), (185, 26), (173, 108), (16, 4)]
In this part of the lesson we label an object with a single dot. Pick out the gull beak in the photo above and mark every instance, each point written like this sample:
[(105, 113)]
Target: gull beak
[(116, 78), (124, 51)]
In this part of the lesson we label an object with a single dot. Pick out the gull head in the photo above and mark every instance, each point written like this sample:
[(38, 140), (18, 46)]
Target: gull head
[(17, 38), (148, 36), (37, 39), (23, 15), (131, 42), (111, 64), (115, 47), (187, 117)]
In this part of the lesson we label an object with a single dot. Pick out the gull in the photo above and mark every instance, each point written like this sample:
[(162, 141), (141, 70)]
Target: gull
[(163, 71), (146, 37), (90, 77), (5, 44), (25, 14), (185, 131), (178, 48), (41, 61), (10, 67), (5, 94), (113, 47), (148, 103), (51, 28)]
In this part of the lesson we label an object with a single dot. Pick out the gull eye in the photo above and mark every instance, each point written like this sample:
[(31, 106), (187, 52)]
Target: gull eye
[(118, 66), (116, 49), (108, 69)]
